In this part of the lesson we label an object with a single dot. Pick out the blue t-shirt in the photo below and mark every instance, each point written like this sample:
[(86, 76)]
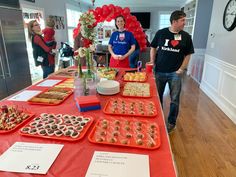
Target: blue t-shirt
[(121, 42)]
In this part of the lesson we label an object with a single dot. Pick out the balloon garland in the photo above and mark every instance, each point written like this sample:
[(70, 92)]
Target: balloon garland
[(109, 12)]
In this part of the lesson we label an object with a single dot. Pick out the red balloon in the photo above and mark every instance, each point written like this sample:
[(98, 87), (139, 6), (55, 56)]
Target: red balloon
[(98, 10), (134, 18), (126, 11)]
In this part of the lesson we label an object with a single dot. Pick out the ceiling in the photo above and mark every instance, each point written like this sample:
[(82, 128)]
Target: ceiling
[(137, 3)]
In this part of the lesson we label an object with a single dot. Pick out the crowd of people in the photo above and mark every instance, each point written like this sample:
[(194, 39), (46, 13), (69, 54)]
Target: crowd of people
[(170, 53)]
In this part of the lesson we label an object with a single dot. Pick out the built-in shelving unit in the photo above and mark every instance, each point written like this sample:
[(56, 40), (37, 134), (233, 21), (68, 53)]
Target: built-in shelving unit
[(190, 10)]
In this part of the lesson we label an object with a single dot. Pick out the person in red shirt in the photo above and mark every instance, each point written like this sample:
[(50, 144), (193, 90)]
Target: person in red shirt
[(49, 32), (41, 52)]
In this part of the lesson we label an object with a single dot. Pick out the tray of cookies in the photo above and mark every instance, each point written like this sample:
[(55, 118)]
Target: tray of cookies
[(135, 77), (135, 89), (58, 126), (52, 96), (67, 83), (12, 117), (143, 134), (130, 107)]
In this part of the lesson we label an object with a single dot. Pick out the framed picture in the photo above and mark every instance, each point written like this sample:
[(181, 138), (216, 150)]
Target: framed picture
[(59, 22), (107, 33)]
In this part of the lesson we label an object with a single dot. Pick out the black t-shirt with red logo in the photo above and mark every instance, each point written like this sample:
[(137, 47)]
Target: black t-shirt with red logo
[(171, 49)]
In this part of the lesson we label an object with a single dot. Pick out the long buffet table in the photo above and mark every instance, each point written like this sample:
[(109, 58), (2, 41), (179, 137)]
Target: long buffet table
[(75, 157)]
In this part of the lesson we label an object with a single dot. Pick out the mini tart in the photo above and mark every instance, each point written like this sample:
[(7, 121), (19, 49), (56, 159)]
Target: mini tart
[(58, 133), (37, 119), (139, 142), (83, 123), (50, 132), (59, 116), (99, 139), (68, 133), (32, 131), (79, 118), (44, 115), (68, 122), (66, 117), (33, 124), (124, 141), (86, 119), (112, 140), (76, 123), (51, 116), (42, 132), (25, 129), (54, 126), (74, 134), (79, 128)]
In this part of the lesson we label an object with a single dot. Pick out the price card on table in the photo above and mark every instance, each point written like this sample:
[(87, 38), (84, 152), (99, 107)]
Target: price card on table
[(111, 164), (24, 95), (49, 83), (25, 157)]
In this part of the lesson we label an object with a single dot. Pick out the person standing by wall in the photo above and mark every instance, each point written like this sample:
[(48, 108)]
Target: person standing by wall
[(170, 53), (42, 53), (121, 44)]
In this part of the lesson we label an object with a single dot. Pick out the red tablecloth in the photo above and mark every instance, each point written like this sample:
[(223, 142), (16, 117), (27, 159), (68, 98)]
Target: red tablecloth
[(74, 159)]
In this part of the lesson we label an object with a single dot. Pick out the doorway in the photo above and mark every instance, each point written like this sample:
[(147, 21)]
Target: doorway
[(31, 13)]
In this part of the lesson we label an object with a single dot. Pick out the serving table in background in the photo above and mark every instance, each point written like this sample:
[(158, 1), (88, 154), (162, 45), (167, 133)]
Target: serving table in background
[(75, 157)]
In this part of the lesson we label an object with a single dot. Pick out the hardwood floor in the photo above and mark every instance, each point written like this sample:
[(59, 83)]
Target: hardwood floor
[(204, 143)]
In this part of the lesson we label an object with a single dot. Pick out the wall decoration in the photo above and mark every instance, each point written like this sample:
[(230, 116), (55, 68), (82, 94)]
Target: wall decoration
[(107, 33), (59, 22)]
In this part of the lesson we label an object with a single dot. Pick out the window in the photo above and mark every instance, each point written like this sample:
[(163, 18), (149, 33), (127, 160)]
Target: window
[(72, 21), (164, 20)]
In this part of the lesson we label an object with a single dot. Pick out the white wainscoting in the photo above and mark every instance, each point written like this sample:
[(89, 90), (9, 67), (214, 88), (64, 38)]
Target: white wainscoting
[(195, 65), (219, 83)]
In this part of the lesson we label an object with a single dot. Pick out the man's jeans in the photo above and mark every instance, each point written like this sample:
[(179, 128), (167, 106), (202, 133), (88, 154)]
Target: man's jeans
[(48, 70), (133, 59), (174, 82)]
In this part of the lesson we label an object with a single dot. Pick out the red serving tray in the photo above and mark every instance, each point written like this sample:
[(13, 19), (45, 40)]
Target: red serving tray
[(30, 115), (133, 96), (134, 80), (63, 137), (50, 104), (62, 82), (116, 134), (110, 108)]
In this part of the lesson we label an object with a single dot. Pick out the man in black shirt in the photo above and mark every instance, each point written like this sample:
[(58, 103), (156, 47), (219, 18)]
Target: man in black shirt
[(170, 53)]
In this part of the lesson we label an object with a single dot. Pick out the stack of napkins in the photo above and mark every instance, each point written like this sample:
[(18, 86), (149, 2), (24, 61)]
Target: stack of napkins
[(87, 103)]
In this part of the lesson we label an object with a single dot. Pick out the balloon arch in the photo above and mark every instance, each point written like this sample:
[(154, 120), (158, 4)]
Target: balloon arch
[(109, 12)]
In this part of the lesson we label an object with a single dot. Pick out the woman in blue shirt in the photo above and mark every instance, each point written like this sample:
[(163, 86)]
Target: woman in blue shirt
[(121, 44)]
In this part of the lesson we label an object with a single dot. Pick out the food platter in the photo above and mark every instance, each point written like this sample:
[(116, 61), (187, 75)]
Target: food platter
[(52, 96), (12, 117), (126, 132), (58, 126)]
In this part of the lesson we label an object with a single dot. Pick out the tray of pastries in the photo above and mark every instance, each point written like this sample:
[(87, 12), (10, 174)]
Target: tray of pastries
[(130, 107), (58, 126), (135, 77), (130, 132), (108, 73), (135, 89), (12, 117), (67, 72), (52, 96), (67, 83)]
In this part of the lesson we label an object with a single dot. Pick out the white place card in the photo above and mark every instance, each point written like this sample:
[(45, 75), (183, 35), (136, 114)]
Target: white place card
[(24, 95), (110, 164), (49, 83), (29, 157)]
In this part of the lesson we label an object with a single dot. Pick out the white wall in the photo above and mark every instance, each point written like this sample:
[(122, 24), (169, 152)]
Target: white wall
[(58, 8), (219, 73)]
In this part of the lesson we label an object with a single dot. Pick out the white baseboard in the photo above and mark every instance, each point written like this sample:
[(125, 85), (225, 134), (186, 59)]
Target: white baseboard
[(219, 83)]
